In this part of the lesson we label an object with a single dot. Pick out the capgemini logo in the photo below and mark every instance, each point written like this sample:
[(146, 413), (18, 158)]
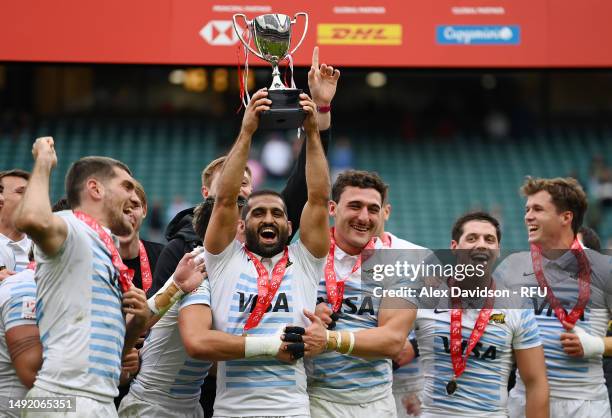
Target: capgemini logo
[(478, 35)]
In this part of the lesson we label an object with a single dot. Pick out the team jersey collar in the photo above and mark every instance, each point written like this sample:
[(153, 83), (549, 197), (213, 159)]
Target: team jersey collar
[(340, 255), (270, 262)]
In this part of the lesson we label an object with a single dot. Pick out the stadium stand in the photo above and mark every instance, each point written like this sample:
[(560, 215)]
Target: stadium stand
[(432, 181)]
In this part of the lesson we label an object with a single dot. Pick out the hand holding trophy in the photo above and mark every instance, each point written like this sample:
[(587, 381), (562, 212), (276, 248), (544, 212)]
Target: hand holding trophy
[(271, 34)]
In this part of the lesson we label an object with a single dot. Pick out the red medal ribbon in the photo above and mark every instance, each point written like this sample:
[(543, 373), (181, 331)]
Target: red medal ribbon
[(125, 274), (335, 287), (459, 361), (584, 283), (145, 267), (266, 289)]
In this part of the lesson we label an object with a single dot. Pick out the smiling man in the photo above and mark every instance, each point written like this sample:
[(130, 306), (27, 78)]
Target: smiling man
[(13, 184), (573, 316), (259, 287), (466, 372), (354, 379), (80, 280)]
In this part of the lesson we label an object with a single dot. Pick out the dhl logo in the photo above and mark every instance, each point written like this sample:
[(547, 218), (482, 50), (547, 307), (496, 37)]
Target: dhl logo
[(359, 34)]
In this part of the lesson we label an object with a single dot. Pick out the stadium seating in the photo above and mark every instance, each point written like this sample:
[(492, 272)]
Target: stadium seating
[(432, 180)]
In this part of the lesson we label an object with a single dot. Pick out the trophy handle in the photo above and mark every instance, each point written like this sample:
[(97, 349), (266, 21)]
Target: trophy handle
[(293, 22), (238, 32)]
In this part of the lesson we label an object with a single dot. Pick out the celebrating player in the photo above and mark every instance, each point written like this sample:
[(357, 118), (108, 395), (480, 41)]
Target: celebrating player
[(573, 316), (259, 287)]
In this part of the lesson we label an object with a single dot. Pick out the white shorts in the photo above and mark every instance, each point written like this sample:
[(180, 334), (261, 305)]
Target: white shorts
[(134, 407), (85, 407), (561, 407), (383, 408), (412, 398)]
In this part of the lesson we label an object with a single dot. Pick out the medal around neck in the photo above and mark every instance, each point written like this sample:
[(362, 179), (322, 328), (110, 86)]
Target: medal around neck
[(271, 34), (451, 386)]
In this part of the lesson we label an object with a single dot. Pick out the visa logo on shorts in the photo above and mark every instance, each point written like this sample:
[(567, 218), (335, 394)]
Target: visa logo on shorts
[(478, 35), (359, 34)]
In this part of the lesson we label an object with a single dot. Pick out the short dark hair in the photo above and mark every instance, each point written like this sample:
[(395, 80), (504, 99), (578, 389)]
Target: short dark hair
[(100, 167), (566, 194), (457, 230), (361, 179), (202, 213), (15, 172), (590, 239), (61, 204), (265, 192)]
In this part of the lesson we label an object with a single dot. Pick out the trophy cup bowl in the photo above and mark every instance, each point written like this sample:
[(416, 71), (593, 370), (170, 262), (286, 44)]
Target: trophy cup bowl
[(271, 35)]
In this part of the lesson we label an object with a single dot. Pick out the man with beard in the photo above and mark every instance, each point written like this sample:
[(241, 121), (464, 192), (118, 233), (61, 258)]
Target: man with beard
[(80, 280), (573, 316), (467, 347), (354, 380), (259, 287), (13, 184)]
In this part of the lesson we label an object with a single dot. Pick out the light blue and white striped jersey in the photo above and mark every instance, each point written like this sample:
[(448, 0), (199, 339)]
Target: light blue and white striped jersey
[(78, 305), (17, 307), (347, 379), (19, 251), (261, 386), (168, 376), (408, 378), (568, 377), (482, 389)]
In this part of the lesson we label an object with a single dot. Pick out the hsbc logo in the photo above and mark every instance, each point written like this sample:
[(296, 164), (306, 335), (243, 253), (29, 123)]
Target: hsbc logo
[(219, 33)]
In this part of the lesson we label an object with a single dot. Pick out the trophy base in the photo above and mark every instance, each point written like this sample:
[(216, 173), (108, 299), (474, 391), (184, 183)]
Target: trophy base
[(285, 111)]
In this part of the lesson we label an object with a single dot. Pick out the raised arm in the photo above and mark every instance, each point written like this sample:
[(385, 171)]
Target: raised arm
[(314, 223), (33, 215), (322, 83), (222, 227)]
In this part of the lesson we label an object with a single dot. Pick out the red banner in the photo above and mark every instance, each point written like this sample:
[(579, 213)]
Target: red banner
[(441, 33)]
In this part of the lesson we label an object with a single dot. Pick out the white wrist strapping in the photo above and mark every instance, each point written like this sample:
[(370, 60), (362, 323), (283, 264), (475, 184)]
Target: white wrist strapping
[(160, 310), (591, 345), (261, 346)]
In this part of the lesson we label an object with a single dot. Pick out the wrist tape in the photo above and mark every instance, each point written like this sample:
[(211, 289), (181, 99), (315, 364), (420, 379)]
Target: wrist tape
[(261, 346), (591, 345), (163, 300)]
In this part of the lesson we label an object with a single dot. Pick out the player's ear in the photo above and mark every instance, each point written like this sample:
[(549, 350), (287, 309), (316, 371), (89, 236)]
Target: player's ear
[(332, 207)]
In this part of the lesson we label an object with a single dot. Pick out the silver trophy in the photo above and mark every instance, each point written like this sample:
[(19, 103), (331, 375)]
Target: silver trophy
[(271, 34)]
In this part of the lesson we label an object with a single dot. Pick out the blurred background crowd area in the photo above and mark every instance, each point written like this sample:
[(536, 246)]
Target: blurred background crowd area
[(446, 141)]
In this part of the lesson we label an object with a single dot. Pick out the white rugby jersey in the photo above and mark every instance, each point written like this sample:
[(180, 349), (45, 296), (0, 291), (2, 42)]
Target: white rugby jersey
[(348, 379), (78, 305), (19, 250), (17, 307), (261, 386), (482, 389), (409, 377), (7, 259), (168, 376), (568, 377)]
